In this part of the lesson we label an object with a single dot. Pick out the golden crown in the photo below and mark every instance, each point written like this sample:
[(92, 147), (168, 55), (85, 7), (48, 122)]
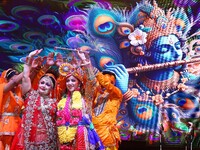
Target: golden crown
[(162, 24), (67, 70)]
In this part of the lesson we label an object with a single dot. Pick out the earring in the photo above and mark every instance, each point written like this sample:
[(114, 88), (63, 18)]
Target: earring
[(78, 88), (50, 94)]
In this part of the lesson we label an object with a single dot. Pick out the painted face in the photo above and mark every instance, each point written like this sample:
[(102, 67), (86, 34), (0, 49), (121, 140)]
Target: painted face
[(166, 49), (45, 86), (72, 84)]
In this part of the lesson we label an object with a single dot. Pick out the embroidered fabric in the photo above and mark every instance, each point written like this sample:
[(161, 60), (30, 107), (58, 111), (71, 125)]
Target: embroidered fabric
[(38, 130)]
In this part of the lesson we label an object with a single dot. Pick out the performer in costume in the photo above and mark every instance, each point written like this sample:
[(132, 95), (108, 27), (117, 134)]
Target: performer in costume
[(106, 99), (146, 35), (38, 126), (11, 103), (75, 129)]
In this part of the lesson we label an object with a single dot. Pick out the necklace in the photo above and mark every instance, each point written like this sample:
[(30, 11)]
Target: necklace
[(159, 86)]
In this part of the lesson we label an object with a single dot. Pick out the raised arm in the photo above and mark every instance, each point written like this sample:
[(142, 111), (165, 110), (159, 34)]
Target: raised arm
[(13, 82), (43, 68), (26, 81), (86, 64)]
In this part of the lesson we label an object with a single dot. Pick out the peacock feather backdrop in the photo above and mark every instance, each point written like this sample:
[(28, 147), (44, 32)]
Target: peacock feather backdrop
[(125, 32)]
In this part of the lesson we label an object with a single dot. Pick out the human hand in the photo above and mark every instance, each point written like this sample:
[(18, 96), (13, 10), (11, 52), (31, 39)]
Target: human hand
[(37, 62), (29, 59), (102, 79), (59, 59), (35, 52), (121, 75), (50, 59), (82, 54)]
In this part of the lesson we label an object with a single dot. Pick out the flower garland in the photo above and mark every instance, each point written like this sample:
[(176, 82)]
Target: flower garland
[(61, 103), (67, 134), (76, 100)]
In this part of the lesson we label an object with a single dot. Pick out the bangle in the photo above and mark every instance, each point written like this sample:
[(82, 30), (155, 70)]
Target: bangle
[(29, 60), (128, 95), (85, 64)]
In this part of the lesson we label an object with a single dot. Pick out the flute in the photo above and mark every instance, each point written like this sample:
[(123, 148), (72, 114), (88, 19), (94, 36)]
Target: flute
[(161, 65), (70, 49)]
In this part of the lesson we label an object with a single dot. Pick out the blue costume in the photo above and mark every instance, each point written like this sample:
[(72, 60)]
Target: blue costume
[(157, 104)]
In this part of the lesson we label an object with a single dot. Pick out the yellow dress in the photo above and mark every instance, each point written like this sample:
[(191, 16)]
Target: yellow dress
[(104, 112)]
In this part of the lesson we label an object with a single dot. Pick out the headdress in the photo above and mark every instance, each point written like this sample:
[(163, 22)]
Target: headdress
[(10, 73), (161, 23), (51, 77), (68, 70)]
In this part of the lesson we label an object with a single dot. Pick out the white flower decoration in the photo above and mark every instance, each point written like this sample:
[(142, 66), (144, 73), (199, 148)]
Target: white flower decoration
[(137, 37)]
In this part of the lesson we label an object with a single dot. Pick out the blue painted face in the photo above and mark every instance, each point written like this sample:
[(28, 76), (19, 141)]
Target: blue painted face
[(166, 49)]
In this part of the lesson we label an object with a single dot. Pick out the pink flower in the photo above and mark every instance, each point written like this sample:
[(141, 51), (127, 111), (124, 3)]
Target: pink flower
[(137, 37), (61, 118), (60, 122), (74, 121), (76, 112)]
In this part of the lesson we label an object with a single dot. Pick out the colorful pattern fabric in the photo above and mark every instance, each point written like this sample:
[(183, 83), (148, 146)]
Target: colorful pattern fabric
[(75, 129), (104, 112)]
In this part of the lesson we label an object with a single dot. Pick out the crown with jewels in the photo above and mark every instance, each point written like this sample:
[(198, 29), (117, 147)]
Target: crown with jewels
[(68, 70), (162, 23)]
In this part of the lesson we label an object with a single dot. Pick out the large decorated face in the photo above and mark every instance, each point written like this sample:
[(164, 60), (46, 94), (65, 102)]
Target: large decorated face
[(166, 49), (72, 84), (45, 86)]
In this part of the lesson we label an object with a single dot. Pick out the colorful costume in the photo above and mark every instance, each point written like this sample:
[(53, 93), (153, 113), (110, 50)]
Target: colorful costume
[(38, 129), (105, 109), (10, 109), (147, 36), (75, 129)]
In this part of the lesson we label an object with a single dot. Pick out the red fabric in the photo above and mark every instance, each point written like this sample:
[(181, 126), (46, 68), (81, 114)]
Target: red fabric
[(32, 117), (16, 139)]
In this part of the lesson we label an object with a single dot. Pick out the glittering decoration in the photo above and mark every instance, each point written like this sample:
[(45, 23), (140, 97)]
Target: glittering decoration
[(65, 69)]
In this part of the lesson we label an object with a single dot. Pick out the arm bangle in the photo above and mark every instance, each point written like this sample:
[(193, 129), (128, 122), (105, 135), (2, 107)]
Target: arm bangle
[(128, 95)]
